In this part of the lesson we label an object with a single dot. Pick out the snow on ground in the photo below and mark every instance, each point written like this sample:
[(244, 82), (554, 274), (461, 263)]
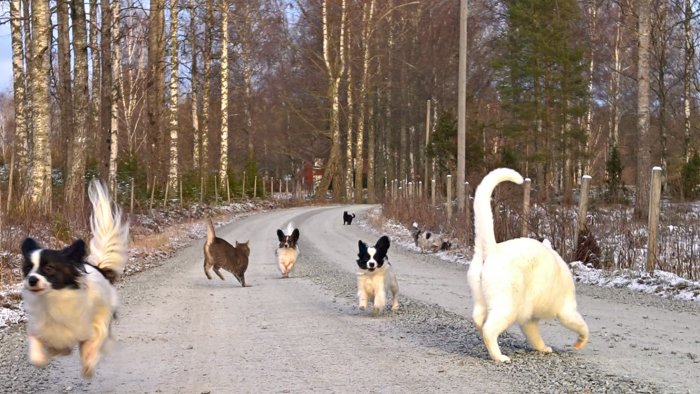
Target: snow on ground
[(662, 283)]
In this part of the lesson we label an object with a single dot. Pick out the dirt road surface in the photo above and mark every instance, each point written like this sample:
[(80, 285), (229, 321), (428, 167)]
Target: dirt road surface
[(181, 333)]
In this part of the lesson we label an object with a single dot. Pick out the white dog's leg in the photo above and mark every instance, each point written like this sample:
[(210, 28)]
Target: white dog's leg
[(379, 300), (532, 332), (90, 350), (362, 294), (395, 295), (496, 323), (37, 353), (573, 320), (479, 313)]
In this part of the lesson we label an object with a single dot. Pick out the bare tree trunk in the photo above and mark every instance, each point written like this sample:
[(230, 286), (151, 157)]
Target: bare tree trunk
[(115, 96), (349, 159), (367, 16), (64, 82), (206, 75), (196, 155), (40, 195), (334, 70), (592, 15), (75, 184), (689, 49), (246, 40), (371, 147), (155, 83), (20, 93), (174, 65), (223, 156), (95, 80), (462, 106), (641, 203), (615, 85), (104, 132)]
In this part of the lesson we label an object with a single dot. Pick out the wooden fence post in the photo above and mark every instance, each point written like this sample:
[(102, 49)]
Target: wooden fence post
[(432, 191), (654, 211), (131, 205), (153, 191), (526, 207), (182, 201), (255, 187), (449, 197), (201, 189), (228, 190), (582, 207), (165, 196), (243, 189)]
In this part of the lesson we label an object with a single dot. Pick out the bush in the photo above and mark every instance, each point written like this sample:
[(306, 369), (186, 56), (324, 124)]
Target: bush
[(690, 177)]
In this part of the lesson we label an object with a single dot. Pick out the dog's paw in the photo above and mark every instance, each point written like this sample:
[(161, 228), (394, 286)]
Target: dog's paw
[(580, 343), (545, 349), (503, 359), (395, 307)]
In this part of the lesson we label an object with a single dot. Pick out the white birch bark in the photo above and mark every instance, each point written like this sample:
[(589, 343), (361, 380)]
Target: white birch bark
[(223, 155), (115, 92), (40, 195), (194, 99), (367, 16), (18, 85), (206, 75), (643, 173), (689, 52), (174, 65)]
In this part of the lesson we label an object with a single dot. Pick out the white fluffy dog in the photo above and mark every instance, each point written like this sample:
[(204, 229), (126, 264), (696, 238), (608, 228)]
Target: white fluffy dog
[(288, 251), (376, 277), (517, 281), (71, 300)]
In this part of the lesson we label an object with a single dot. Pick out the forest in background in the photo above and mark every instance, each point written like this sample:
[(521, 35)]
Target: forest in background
[(134, 92)]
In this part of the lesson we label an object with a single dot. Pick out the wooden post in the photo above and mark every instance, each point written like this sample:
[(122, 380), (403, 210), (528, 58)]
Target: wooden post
[(449, 197), (467, 211), (263, 185), (9, 182), (526, 207), (243, 190), (255, 187), (153, 191), (582, 207), (420, 189), (286, 185), (280, 189), (432, 191), (165, 196), (216, 191), (228, 190), (427, 142), (654, 211), (182, 202), (272, 187), (201, 189), (131, 205), (410, 189)]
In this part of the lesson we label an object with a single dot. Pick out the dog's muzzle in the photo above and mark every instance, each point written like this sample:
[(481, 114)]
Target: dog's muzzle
[(33, 284)]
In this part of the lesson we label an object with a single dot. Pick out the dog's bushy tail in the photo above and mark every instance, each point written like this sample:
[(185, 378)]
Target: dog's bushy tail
[(290, 229), (211, 234), (485, 239), (110, 236)]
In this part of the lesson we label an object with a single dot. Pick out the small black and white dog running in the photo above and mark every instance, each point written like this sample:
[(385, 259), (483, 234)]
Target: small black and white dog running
[(376, 278)]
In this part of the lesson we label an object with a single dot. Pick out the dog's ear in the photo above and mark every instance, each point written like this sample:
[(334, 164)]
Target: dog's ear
[(362, 247), (28, 246), (295, 235), (75, 252), (383, 244), (280, 235)]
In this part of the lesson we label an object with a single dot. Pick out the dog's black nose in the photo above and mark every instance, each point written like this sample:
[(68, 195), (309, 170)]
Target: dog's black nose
[(33, 280)]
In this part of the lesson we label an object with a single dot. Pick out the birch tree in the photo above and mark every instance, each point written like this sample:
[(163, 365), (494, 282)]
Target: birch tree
[(334, 67), (193, 98), (206, 87), (223, 155), (18, 86), (104, 132), (641, 202), (174, 65), (75, 185), (350, 121), (40, 196), (155, 82), (367, 16), (96, 72), (115, 94), (689, 55), (64, 81)]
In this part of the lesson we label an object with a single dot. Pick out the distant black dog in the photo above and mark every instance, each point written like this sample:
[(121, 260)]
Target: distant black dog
[(347, 218), (218, 253)]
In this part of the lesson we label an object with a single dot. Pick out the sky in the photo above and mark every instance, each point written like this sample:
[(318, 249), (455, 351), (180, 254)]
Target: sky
[(5, 51)]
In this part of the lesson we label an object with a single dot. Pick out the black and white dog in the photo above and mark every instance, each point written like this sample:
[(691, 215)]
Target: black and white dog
[(71, 300), (347, 218), (426, 240), (287, 252), (376, 277)]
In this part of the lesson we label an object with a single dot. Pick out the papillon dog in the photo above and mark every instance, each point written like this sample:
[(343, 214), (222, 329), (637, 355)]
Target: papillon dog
[(69, 299), (347, 218), (520, 281), (218, 253), (287, 252), (376, 277), (426, 240)]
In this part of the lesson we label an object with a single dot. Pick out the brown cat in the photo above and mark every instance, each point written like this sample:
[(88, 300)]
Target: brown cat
[(218, 253)]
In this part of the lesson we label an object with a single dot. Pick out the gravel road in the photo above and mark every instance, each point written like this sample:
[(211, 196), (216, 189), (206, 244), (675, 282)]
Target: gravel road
[(181, 333)]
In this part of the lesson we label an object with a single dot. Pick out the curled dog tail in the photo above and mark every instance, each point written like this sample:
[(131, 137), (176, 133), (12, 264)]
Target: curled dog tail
[(110, 236), (485, 239), (290, 229)]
